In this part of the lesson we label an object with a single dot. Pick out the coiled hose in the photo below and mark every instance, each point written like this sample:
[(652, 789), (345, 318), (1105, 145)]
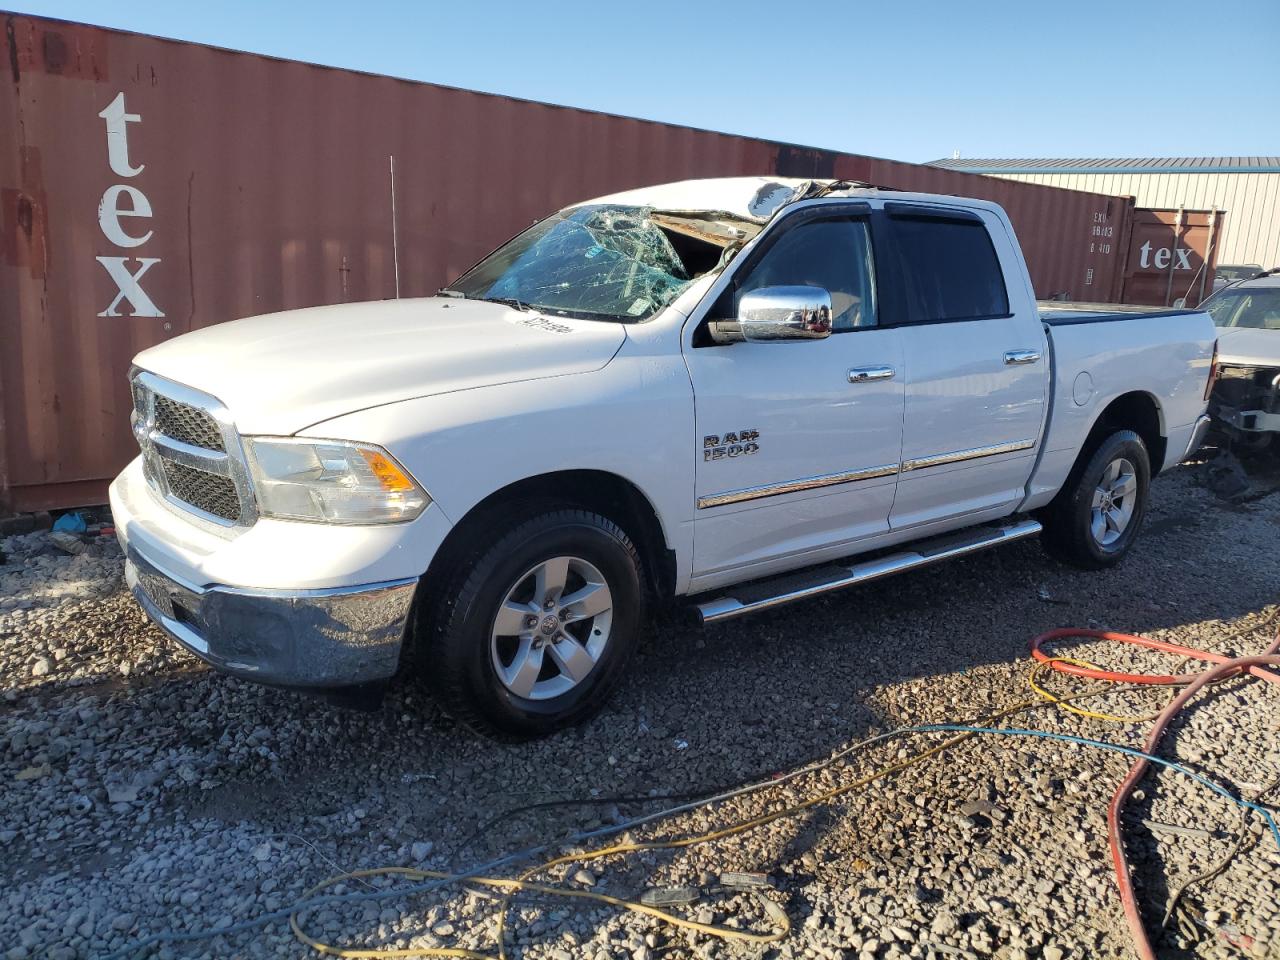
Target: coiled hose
[(776, 922), (1223, 667)]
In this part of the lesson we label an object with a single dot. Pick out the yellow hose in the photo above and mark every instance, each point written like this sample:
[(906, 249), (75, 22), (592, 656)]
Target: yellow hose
[(523, 884), (783, 923), (1033, 680)]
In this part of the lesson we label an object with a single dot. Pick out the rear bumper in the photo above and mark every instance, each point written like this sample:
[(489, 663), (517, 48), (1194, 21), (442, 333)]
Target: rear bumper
[(1249, 421), (1197, 436), (301, 638)]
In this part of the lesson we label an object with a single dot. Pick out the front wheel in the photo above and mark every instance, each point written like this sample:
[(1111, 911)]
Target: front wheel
[(1095, 518), (535, 630)]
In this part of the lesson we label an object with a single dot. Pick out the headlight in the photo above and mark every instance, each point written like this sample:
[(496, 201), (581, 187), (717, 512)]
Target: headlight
[(331, 481)]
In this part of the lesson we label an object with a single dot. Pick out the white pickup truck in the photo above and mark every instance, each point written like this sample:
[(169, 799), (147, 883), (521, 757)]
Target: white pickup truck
[(740, 392)]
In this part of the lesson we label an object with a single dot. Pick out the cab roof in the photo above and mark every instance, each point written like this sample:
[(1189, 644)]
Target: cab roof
[(757, 199)]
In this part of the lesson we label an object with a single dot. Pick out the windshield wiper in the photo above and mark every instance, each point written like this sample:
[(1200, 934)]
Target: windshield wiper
[(446, 292)]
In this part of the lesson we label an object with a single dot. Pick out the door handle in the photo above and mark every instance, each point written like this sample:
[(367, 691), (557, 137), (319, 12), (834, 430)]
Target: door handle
[(1015, 357), (868, 374)]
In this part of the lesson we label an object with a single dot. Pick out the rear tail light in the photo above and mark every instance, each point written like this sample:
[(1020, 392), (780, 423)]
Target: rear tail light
[(1213, 372)]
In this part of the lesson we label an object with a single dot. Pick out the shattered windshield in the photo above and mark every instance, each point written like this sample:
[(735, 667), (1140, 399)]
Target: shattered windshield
[(597, 261)]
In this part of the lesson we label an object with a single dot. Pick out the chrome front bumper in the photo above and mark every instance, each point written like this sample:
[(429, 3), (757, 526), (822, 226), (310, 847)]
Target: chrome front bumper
[(297, 638)]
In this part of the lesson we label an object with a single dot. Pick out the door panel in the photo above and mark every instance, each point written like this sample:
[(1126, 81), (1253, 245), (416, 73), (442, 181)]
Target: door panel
[(971, 421), (798, 442), (976, 370), (825, 455)]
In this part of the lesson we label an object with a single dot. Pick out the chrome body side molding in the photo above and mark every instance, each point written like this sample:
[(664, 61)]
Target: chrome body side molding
[(853, 476), (958, 456), (793, 486)]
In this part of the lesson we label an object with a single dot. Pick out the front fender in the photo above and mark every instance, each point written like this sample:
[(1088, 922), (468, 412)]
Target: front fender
[(633, 418)]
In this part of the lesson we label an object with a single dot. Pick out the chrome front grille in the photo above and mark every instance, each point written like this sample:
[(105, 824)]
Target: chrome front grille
[(188, 424), (191, 452), (205, 491)]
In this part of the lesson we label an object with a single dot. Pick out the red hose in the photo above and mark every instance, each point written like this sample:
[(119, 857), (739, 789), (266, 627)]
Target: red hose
[(1151, 678), (1224, 667)]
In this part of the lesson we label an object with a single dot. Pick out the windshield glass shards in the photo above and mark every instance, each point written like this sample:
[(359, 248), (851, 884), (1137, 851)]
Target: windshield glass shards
[(1254, 307), (596, 261)]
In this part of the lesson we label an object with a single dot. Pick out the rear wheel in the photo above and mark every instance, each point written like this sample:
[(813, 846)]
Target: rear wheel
[(534, 631), (1095, 518)]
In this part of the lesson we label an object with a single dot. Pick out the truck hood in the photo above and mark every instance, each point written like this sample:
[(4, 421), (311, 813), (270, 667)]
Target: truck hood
[(280, 373), (1248, 347)]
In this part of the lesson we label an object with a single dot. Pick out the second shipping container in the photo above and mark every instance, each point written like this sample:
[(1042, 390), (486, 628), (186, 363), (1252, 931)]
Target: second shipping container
[(149, 187)]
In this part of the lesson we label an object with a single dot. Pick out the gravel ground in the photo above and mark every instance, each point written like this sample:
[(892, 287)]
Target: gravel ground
[(140, 792)]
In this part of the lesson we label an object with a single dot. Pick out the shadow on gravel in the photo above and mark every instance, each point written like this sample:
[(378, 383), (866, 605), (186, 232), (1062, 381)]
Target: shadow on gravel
[(701, 709), (706, 708)]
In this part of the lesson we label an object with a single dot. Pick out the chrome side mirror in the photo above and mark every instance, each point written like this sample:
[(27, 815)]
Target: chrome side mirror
[(777, 313)]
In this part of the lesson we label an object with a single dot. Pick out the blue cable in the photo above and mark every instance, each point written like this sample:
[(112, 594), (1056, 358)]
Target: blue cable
[(178, 936)]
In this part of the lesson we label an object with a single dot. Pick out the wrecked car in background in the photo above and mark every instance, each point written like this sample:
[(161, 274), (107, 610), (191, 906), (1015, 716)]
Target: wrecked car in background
[(725, 390), (1246, 399), (1225, 274)]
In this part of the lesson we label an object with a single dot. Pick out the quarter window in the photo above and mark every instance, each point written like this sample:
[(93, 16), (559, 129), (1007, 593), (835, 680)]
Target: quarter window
[(950, 270), (832, 254)]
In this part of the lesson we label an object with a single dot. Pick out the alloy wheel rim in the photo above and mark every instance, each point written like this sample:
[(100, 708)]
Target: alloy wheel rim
[(1114, 501), (552, 628)]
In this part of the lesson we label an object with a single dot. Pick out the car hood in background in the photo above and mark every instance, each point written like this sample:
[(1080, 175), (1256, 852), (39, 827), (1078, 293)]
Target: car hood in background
[(1248, 347), (280, 373)]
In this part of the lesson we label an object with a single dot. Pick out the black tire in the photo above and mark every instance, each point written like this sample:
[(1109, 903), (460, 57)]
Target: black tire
[(1068, 519), (457, 658)]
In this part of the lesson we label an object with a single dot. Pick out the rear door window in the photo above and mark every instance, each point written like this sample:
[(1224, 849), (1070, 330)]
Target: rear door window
[(950, 269)]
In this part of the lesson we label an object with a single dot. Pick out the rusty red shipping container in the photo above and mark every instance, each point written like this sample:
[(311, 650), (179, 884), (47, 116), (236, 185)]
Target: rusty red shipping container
[(1171, 256), (149, 187)]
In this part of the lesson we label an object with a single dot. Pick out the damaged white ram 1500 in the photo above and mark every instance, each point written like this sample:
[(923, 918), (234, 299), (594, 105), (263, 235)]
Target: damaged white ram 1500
[(740, 392)]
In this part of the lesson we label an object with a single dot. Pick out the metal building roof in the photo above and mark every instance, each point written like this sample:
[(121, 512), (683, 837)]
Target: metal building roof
[(1115, 165)]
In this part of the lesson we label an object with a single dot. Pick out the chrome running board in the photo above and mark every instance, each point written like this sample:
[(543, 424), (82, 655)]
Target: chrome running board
[(763, 594)]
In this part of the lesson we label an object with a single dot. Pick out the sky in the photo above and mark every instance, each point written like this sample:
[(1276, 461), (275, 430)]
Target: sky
[(910, 80)]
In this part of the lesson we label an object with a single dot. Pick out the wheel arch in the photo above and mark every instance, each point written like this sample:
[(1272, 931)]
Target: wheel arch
[(609, 494), (1138, 411)]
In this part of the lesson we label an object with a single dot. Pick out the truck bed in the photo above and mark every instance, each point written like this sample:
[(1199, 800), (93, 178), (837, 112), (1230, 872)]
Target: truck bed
[(1059, 313), (1161, 355)]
